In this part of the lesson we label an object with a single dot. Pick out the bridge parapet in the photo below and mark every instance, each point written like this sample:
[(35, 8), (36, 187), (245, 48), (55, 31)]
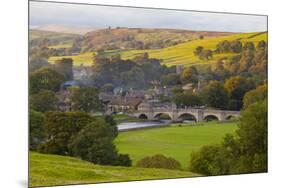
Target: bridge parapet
[(176, 114)]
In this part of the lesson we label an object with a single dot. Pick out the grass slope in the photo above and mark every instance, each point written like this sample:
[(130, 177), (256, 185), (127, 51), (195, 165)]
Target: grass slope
[(178, 54), (176, 142), (49, 170), (183, 53), (84, 58)]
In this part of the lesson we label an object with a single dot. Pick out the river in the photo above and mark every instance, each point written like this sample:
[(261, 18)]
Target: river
[(138, 125)]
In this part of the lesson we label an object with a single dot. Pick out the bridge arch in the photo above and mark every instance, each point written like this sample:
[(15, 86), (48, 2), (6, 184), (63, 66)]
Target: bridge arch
[(231, 117), (187, 116), (142, 116), (211, 117), (163, 116)]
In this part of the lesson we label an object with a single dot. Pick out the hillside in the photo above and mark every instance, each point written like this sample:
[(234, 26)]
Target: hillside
[(176, 142), (173, 55), (183, 53), (51, 39), (71, 29), (142, 38), (50, 170)]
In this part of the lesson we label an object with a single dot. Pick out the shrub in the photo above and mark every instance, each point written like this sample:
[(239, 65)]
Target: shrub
[(124, 160), (159, 161)]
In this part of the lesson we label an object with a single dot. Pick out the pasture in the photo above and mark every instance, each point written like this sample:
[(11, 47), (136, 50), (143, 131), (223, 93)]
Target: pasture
[(177, 142)]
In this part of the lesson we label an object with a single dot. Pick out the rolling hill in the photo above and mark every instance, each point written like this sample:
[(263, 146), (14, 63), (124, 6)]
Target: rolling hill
[(70, 29), (183, 53), (50, 170), (176, 54)]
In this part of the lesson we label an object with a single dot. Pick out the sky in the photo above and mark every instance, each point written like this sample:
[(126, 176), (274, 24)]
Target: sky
[(47, 13)]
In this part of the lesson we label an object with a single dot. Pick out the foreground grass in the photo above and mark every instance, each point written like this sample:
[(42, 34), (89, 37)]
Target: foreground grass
[(49, 170), (177, 142)]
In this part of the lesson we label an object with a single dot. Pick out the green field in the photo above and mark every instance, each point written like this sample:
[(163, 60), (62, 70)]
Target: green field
[(48, 170), (178, 54), (176, 142), (84, 58)]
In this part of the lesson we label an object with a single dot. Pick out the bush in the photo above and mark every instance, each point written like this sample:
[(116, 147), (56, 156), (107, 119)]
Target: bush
[(159, 161), (124, 160)]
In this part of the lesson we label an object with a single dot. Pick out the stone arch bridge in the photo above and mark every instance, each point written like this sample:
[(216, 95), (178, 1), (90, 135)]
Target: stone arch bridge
[(180, 114)]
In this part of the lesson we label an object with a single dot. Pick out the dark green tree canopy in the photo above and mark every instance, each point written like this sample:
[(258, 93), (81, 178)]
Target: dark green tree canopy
[(215, 95), (64, 67), (86, 99), (43, 101), (36, 129), (45, 78)]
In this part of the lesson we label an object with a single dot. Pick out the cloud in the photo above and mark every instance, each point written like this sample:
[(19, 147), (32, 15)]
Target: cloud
[(43, 13)]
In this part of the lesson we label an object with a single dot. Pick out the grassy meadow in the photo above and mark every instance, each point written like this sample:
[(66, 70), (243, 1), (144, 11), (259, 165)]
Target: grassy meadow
[(177, 142), (50, 170)]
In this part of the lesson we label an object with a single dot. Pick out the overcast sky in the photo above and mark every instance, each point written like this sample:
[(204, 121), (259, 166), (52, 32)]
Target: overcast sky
[(45, 13)]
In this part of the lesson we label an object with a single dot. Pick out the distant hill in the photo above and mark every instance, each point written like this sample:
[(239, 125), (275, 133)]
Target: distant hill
[(183, 53), (81, 30), (142, 38), (177, 54)]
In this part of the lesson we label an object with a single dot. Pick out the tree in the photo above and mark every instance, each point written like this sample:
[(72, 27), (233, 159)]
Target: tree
[(141, 58), (94, 143), (43, 101), (243, 152), (134, 78), (189, 75), (235, 46), (218, 70), (60, 127), (223, 47), (198, 50), (255, 95), (252, 138), (86, 99), (36, 62), (237, 87), (64, 67), (45, 78), (210, 160), (206, 55), (187, 99), (170, 79), (215, 95), (158, 161), (36, 129), (249, 46)]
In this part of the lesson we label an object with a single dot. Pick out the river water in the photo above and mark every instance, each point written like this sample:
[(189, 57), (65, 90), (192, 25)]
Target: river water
[(139, 125)]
